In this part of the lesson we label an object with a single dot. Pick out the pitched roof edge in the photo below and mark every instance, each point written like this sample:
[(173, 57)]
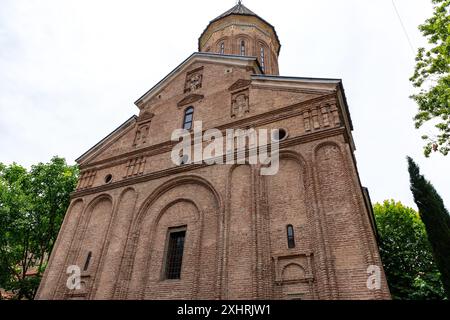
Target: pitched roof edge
[(197, 54), (105, 139), (336, 81)]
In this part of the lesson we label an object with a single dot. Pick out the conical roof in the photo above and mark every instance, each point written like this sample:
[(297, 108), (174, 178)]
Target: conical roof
[(237, 9), (242, 10)]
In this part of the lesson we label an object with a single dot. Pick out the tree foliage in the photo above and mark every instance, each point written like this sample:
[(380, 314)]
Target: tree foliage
[(432, 76), (406, 253), (436, 219), (32, 207)]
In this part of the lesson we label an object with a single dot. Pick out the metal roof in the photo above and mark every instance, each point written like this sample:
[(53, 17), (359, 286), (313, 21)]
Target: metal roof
[(241, 10), (237, 9)]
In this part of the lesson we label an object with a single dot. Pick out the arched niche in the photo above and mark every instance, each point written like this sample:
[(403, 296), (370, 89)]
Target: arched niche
[(190, 202)]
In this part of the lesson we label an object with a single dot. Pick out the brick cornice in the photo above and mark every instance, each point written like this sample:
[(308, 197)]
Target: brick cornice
[(168, 172), (255, 121)]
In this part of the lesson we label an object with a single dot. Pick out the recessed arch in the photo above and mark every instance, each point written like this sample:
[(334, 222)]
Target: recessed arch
[(263, 54), (327, 144), (97, 199), (239, 38), (171, 204), (140, 248), (222, 41), (293, 271), (175, 182)]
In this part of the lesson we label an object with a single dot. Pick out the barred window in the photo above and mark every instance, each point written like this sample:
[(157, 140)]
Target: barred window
[(222, 48), (174, 256), (290, 237)]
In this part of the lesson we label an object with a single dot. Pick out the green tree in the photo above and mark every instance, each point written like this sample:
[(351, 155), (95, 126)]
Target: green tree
[(436, 219), (406, 253), (432, 76), (32, 207)]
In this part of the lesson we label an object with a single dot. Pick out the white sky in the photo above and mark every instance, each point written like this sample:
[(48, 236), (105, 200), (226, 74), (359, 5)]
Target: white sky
[(70, 71)]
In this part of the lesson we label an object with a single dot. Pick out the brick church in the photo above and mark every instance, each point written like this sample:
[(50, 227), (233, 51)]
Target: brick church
[(140, 226)]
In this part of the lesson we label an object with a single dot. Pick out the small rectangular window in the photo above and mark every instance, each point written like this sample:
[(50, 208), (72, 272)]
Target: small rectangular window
[(174, 255)]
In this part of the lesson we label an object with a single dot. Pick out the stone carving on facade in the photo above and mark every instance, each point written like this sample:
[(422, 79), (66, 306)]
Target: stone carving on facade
[(194, 80), (142, 129), (141, 135), (240, 104)]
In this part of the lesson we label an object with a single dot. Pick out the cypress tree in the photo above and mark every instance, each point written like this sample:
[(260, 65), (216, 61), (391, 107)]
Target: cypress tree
[(436, 219)]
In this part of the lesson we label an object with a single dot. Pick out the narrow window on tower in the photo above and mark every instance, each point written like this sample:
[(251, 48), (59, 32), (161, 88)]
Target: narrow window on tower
[(263, 59), (242, 48), (174, 255), (188, 118), (290, 236), (222, 48)]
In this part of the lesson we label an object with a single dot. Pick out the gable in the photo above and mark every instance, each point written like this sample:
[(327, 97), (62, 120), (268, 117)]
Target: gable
[(186, 66), (115, 143)]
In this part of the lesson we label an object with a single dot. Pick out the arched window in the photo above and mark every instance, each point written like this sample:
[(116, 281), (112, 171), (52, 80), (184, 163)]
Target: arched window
[(262, 59), (188, 118), (290, 236), (242, 48), (222, 48)]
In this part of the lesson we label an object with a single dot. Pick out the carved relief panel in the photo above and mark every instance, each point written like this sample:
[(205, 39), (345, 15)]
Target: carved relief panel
[(194, 80), (240, 105), (240, 98), (142, 129)]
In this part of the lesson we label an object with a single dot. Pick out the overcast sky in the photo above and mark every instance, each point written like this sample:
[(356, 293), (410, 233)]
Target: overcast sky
[(70, 71)]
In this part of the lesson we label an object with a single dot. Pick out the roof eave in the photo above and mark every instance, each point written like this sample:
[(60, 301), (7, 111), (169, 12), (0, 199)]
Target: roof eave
[(243, 14), (105, 139), (158, 86)]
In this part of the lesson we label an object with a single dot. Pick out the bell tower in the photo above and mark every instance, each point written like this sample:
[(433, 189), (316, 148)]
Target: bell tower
[(241, 32)]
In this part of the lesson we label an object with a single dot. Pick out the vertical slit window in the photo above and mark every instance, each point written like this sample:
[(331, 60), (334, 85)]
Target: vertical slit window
[(88, 261), (222, 48), (174, 257), (242, 48), (188, 118), (263, 59), (290, 237)]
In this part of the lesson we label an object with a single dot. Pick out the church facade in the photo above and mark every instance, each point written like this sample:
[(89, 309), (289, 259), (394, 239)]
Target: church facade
[(140, 226)]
